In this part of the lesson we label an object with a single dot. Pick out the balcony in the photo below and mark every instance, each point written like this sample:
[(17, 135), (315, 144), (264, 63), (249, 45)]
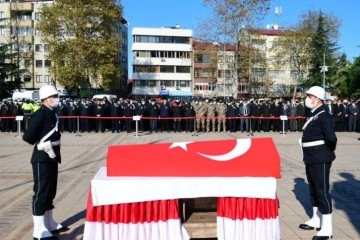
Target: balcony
[(22, 23), (21, 7)]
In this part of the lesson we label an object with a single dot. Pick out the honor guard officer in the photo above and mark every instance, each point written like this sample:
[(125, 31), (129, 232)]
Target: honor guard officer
[(42, 131), (318, 145)]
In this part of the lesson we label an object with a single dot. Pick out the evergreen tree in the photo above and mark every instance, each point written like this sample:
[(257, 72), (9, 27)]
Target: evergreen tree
[(355, 78), (322, 49), (8, 71)]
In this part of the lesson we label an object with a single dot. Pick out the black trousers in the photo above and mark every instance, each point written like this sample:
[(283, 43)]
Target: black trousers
[(45, 176), (318, 179)]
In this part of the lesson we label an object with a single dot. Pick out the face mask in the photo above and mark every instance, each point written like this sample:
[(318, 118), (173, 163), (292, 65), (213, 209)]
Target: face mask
[(55, 102), (309, 104)]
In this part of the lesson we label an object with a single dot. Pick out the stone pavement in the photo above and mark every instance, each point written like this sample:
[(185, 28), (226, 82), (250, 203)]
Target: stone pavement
[(84, 155)]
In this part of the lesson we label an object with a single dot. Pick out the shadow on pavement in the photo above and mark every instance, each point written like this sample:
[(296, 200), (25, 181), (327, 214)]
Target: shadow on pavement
[(346, 197), (301, 191)]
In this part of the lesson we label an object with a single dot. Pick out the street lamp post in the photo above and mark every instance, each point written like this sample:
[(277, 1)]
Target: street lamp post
[(323, 70), (224, 72)]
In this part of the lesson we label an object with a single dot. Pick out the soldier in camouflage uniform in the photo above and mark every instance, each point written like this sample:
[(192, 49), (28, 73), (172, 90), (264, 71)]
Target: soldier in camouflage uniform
[(200, 114), (211, 113), (221, 110)]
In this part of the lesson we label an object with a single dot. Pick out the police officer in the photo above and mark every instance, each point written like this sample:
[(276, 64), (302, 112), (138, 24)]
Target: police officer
[(318, 145), (42, 129), (188, 113), (153, 109)]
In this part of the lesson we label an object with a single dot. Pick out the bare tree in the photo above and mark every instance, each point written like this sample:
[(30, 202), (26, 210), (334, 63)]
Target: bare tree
[(293, 49), (228, 19)]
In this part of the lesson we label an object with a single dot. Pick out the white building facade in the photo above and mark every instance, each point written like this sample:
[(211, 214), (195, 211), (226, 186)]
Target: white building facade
[(162, 62), (18, 21)]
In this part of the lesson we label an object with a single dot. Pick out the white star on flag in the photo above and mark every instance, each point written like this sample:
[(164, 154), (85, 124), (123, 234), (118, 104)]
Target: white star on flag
[(180, 144)]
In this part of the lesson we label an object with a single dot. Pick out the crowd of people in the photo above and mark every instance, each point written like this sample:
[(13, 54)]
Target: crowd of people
[(193, 115)]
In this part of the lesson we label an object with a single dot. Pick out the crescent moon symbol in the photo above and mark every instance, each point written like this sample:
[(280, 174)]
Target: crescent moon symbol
[(241, 147)]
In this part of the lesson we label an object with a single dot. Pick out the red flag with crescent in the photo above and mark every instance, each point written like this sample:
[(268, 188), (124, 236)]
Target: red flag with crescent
[(256, 157)]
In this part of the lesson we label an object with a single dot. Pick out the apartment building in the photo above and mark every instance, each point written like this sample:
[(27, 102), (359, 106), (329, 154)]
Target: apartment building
[(268, 77), (162, 62), (213, 75), (18, 20)]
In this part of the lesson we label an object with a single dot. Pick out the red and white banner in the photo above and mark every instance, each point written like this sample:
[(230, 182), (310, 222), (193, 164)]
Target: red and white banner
[(150, 220), (256, 157), (248, 219)]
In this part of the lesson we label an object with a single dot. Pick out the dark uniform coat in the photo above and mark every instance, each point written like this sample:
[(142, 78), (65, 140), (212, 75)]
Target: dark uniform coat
[(41, 122), (320, 128), (45, 169), (318, 158)]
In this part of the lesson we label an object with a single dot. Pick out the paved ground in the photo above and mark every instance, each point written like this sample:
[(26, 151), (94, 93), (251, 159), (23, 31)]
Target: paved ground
[(84, 155)]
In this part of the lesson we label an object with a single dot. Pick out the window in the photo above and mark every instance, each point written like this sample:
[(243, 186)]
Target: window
[(38, 78), (21, 30), (227, 74), (47, 63), (46, 47), (47, 78), (39, 63), (167, 83), (145, 68), (183, 69), (2, 30), (205, 73), (1, 14), (183, 83), (203, 58), (142, 54), (38, 47), (258, 73), (140, 83), (24, 16), (154, 54), (160, 39), (183, 55), (27, 63), (37, 32), (152, 83), (167, 69), (27, 78), (37, 16)]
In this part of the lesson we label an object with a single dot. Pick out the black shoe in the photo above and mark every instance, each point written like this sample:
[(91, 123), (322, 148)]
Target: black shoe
[(63, 229), (321, 237), (307, 227)]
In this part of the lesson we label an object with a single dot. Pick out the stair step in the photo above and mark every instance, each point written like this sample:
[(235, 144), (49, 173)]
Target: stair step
[(201, 225)]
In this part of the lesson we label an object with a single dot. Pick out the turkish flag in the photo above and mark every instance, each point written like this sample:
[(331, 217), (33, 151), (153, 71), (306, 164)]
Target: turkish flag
[(256, 157)]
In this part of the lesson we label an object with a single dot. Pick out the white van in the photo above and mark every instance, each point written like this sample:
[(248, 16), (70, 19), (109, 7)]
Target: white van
[(101, 96), (26, 94)]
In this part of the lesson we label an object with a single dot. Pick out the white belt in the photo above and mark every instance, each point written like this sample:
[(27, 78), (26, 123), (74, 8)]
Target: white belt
[(56, 143), (313, 143)]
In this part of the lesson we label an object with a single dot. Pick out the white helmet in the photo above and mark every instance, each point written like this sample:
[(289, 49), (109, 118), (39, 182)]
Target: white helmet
[(317, 91), (47, 91)]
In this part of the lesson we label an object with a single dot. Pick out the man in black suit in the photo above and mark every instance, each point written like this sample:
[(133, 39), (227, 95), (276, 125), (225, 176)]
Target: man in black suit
[(338, 115), (318, 145)]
